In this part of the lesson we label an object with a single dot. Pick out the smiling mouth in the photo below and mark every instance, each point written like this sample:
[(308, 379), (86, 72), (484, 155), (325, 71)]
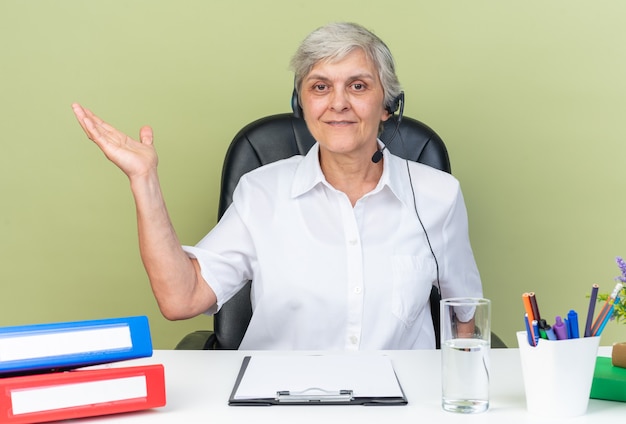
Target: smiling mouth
[(339, 123)]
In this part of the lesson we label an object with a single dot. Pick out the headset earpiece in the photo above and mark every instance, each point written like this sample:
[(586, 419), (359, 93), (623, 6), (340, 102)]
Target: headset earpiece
[(395, 103), (295, 105)]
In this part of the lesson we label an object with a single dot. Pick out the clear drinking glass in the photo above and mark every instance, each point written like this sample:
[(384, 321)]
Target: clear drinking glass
[(465, 345)]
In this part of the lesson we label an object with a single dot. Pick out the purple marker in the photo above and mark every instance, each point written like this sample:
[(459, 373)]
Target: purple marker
[(559, 329)]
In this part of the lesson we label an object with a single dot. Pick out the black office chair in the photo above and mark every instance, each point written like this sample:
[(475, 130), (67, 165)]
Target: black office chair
[(278, 137)]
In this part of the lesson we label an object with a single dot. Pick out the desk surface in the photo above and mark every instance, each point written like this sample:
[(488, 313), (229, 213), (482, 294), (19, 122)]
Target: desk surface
[(199, 384)]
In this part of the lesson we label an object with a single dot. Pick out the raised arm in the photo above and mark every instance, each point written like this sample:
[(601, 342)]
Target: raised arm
[(176, 282)]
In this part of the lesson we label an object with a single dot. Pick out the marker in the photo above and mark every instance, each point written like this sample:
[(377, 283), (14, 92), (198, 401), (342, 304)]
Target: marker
[(572, 320), (535, 328), (550, 333), (545, 329), (559, 329), (542, 329)]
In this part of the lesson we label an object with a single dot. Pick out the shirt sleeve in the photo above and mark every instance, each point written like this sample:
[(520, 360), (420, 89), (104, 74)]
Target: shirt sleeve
[(459, 276), (226, 256)]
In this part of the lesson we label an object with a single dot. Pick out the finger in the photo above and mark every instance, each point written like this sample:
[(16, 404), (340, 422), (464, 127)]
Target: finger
[(78, 110), (103, 127), (146, 135), (80, 115), (97, 120), (91, 124), (92, 130), (96, 128), (99, 131)]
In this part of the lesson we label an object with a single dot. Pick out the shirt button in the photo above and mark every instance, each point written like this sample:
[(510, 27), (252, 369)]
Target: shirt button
[(354, 340), (353, 242), (357, 290)]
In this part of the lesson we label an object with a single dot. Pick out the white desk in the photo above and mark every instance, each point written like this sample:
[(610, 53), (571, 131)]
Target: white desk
[(199, 384)]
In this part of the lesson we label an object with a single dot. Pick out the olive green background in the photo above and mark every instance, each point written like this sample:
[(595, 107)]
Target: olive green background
[(530, 98)]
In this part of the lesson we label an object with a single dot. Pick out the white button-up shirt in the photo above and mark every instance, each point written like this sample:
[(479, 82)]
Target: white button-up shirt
[(329, 276)]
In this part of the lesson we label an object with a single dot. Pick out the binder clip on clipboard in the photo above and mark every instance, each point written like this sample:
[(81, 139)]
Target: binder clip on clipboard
[(314, 395)]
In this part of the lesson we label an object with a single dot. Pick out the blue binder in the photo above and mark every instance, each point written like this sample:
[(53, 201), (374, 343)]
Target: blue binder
[(68, 345)]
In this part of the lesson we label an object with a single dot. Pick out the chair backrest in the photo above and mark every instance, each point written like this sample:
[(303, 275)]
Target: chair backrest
[(279, 137)]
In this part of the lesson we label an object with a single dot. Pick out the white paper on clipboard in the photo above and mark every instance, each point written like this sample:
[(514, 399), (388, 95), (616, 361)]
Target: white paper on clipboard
[(365, 376)]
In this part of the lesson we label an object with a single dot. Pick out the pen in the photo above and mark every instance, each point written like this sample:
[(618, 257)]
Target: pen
[(535, 328), (529, 334), (572, 320), (605, 309), (559, 329), (529, 312), (592, 306), (607, 318)]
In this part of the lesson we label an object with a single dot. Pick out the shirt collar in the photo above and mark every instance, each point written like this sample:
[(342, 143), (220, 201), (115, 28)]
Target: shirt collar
[(308, 174), (394, 178)]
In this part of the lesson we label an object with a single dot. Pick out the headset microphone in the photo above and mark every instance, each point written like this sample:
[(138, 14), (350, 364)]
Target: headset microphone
[(378, 155)]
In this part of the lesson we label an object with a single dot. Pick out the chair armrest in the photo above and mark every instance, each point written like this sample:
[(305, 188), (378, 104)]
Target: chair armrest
[(198, 340), (497, 342)]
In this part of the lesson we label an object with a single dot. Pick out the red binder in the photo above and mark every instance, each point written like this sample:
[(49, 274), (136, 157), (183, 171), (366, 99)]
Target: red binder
[(81, 393)]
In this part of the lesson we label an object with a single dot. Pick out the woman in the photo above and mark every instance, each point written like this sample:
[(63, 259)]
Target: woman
[(337, 254)]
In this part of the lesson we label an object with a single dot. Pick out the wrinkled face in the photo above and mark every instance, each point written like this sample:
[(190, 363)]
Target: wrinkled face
[(343, 106)]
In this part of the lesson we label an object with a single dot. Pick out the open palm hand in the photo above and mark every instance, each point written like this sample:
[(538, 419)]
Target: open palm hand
[(134, 158)]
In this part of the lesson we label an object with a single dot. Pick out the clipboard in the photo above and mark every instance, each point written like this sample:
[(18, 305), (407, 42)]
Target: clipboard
[(317, 380)]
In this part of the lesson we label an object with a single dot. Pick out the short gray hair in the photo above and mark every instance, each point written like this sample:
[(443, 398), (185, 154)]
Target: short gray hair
[(335, 41)]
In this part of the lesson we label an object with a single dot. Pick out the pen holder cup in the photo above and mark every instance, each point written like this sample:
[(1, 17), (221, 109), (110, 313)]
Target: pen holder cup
[(558, 374)]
